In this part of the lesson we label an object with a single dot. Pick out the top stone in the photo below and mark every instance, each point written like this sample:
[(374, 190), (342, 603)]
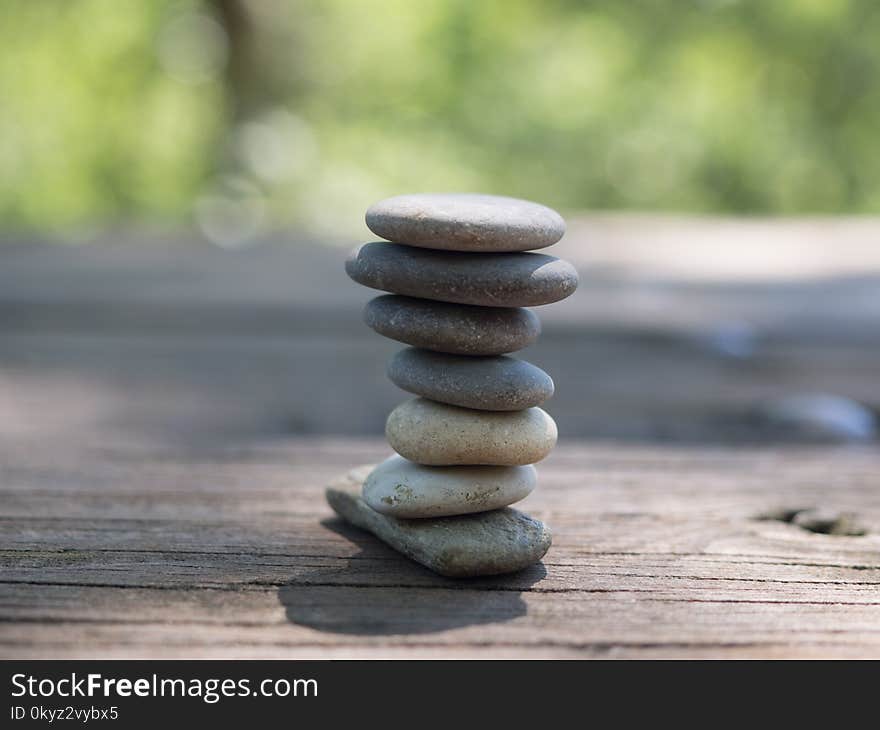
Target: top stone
[(465, 222)]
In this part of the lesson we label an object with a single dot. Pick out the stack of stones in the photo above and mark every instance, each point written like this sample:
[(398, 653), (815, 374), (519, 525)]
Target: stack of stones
[(460, 279)]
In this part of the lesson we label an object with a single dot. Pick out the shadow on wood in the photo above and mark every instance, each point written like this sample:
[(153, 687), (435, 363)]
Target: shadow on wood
[(409, 599)]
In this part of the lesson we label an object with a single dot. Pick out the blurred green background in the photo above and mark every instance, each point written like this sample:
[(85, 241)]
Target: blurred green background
[(240, 117)]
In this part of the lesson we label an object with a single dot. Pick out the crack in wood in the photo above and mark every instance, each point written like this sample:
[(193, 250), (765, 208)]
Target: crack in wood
[(818, 520)]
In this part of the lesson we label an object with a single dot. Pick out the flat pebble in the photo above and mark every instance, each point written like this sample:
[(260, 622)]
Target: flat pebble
[(487, 543), (403, 488), (437, 434), (499, 280), (485, 383), (465, 222), (460, 329)]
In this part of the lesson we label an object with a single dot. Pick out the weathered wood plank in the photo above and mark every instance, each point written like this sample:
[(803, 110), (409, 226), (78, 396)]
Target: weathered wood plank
[(657, 552), (169, 416), (309, 620), (814, 278), (161, 389)]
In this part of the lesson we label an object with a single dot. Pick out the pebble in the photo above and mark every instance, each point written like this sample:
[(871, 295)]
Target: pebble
[(402, 488), (459, 329), (487, 543), (465, 222), (486, 383), (437, 434), (500, 280)]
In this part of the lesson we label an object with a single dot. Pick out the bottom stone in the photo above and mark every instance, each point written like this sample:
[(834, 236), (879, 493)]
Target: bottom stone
[(486, 543)]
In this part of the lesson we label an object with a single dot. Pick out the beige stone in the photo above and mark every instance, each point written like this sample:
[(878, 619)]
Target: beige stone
[(437, 434)]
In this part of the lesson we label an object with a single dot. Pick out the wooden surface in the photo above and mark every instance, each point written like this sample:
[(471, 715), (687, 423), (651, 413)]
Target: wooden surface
[(170, 414)]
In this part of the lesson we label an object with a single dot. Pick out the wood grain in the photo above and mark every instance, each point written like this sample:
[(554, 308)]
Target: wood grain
[(125, 552), (169, 418)]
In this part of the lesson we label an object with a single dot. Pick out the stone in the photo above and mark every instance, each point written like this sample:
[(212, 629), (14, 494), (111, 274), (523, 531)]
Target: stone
[(436, 434), (405, 489), (460, 329), (465, 222), (485, 383), (467, 546), (499, 280)]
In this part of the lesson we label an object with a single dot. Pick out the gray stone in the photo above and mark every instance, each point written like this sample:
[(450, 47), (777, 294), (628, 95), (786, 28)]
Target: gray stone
[(496, 280), (436, 434), (460, 329), (465, 222), (486, 383), (488, 543), (402, 488)]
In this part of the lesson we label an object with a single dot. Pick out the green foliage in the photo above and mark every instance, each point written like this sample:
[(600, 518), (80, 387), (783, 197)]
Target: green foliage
[(755, 106), (91, 130)]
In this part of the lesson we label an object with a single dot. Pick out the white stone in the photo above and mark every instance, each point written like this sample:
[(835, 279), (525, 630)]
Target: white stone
[(437, 434)]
